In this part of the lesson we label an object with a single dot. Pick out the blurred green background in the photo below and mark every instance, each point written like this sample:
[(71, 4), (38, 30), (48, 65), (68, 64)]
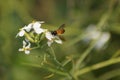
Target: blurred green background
[(77, 15)]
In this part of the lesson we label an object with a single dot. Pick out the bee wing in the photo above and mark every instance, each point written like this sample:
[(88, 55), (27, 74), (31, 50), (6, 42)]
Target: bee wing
[(62, 26), (62, 38)]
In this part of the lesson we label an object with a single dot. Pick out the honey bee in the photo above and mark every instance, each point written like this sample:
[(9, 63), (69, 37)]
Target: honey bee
[(59, 31)]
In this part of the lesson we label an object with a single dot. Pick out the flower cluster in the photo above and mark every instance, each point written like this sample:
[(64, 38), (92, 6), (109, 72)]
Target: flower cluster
[(32, 33)]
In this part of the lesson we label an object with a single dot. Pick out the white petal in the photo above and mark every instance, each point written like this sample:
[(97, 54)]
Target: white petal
[(21, 33), (21, 49), (27, 52), (28, 46), (49, 43), (36, 25), (49, 36), (24, 43), (103, 40), (38, 30), (28, 28), (58, 41)]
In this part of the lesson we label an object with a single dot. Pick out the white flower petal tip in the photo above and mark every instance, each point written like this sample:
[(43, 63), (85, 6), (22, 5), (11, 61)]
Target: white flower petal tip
[(28, 28), (21, 33), (58, 41), (27, 52), (20, 49)]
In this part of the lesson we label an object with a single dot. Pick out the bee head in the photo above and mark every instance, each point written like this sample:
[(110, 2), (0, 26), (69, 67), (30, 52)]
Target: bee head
[(54, 33)]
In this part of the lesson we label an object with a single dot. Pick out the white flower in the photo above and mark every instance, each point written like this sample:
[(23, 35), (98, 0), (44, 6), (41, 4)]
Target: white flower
[(28, 28), (51, 38), (22, 31), (58, 41), (34, 25), (92, 33), (103, 39), (48, 35), (26, 48)]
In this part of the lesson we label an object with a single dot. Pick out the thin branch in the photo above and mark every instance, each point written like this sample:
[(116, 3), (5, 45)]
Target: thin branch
[(97, 66)]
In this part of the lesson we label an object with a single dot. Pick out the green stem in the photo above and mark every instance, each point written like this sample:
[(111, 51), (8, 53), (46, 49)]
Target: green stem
[(97, 66), (109, 75), (66, 61), (38, 40), (101, 23), (60, 66), (48, 68), (36, 46), (85, 54), (116, 54), (54, 56), (28, 37)]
